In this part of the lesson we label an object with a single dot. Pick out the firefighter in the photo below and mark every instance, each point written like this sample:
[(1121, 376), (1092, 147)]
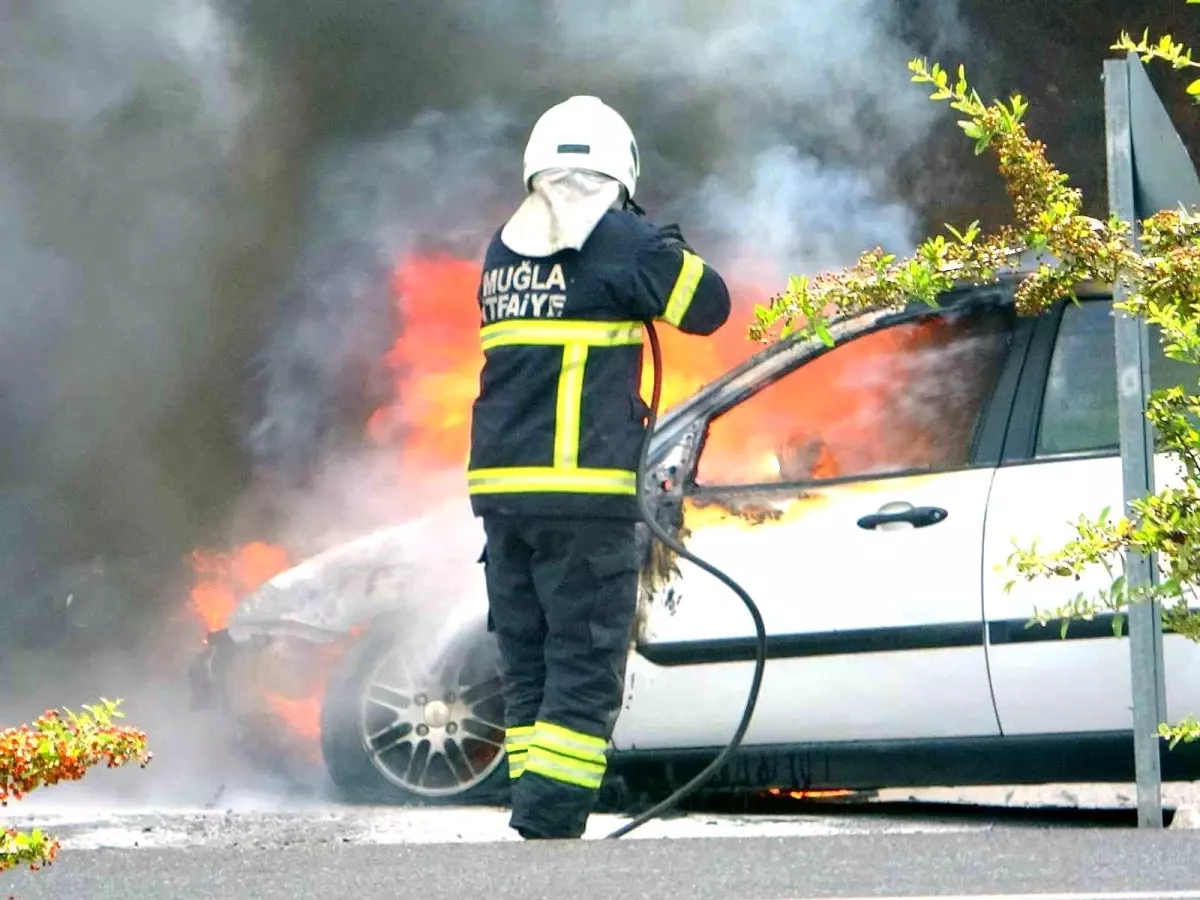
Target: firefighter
[(555, 438)]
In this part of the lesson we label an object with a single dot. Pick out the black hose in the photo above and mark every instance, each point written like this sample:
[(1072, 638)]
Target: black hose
[(760, 654)]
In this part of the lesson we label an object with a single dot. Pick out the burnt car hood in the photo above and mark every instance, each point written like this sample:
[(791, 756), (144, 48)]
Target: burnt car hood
[(425, 565)]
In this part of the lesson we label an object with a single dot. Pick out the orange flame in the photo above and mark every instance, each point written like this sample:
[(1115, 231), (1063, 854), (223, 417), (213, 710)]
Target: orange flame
[(810, 795), (435, 363), (302, 715), (859, 410), (222, 579)]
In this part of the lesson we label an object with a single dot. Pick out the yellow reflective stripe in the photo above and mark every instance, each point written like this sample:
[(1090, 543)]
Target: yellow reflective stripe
[(567, 741), (553, 332), (690, 274), (516, 764), (562, 768), (570, 403), (516, 741), (550, 480), (519, 732), (516, 747)]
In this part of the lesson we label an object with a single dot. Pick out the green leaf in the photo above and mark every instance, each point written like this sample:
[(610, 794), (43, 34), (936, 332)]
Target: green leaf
[(1118, 624), (970, 128), (1118, 588)]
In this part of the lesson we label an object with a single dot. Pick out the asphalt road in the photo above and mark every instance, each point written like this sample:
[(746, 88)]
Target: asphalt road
[(1109, 863)]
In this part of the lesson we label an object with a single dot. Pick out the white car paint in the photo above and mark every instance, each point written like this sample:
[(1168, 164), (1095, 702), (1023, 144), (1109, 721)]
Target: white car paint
[(1047, 686), (905, 577)]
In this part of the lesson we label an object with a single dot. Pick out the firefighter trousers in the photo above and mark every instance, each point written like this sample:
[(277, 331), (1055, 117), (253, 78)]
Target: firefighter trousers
[(562, 596)]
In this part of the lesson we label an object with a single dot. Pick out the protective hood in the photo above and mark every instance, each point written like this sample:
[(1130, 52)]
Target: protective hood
[(560, 212)]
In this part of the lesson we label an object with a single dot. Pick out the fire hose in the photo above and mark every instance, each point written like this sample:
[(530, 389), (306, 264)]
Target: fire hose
[(674, 544)]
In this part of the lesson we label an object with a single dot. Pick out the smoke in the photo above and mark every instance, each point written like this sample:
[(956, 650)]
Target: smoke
[(119, 122), (372, 200), (793, 208), (766, 129)]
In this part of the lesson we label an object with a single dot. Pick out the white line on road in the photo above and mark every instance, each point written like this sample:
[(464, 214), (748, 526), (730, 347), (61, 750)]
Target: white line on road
[(1103, 895)]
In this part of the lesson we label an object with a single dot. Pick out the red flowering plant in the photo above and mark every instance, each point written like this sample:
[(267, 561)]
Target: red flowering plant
[(59, 746)]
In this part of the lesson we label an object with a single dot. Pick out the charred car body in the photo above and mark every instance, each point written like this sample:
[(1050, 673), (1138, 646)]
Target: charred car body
[(865, 495)]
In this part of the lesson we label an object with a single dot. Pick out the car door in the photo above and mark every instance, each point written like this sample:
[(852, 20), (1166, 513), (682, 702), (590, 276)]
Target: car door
[(848, 498), (1063, 460)]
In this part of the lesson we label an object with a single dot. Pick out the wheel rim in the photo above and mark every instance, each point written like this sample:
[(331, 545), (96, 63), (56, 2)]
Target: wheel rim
[(435, 732)]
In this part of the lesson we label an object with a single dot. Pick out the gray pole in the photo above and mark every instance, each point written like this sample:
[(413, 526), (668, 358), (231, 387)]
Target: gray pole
[(1137, 463)]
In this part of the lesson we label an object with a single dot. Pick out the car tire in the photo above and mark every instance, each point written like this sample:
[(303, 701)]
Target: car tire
[(433, 737)]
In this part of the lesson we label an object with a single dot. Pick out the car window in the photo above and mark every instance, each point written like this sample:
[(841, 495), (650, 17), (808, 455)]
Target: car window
[(1079, 406), (907, 397)]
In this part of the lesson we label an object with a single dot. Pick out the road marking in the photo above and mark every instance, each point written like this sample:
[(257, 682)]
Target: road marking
[(1103, 895)]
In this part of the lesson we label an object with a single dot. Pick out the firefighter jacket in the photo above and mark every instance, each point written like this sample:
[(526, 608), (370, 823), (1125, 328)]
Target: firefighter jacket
[(556, 429)]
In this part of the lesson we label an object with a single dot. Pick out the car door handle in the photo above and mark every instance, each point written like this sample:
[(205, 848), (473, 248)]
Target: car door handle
[(916, 516)]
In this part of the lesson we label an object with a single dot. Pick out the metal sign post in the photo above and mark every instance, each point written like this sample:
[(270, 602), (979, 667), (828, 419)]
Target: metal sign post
[(1148, 170), (1137, 463)]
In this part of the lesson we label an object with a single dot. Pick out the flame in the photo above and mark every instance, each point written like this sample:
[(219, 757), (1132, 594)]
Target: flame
[(222, 579), (302, 715), (810, 795), (435, 364), (748, 511), (856, 411)]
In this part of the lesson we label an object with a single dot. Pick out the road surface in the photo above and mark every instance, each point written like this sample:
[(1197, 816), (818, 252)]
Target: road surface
[(1079, 862), (373, 854)]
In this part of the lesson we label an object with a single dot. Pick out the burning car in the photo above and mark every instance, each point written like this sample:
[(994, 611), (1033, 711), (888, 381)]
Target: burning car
[(865, 495)]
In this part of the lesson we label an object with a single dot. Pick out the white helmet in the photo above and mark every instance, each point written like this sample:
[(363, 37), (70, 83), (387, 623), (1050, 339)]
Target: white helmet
[(582, 132)]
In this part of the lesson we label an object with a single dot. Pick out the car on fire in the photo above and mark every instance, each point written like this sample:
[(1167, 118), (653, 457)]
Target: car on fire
[(867, 496)]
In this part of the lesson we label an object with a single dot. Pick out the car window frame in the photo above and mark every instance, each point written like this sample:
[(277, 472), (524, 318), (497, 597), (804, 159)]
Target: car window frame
[(989, 441), (1020, 447)]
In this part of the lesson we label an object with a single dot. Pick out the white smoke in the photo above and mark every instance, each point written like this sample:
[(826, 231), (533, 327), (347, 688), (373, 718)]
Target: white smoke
[(792, 214)]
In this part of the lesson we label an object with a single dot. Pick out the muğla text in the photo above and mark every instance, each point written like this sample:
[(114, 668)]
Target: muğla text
[(520, 291)]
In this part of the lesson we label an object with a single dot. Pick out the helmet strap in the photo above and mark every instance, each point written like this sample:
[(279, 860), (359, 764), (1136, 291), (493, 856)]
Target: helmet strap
[(632, 206)]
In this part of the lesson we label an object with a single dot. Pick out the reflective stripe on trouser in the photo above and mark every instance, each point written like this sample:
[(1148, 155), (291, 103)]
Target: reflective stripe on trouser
[(562, 594), (563, 754), (516, 748)]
